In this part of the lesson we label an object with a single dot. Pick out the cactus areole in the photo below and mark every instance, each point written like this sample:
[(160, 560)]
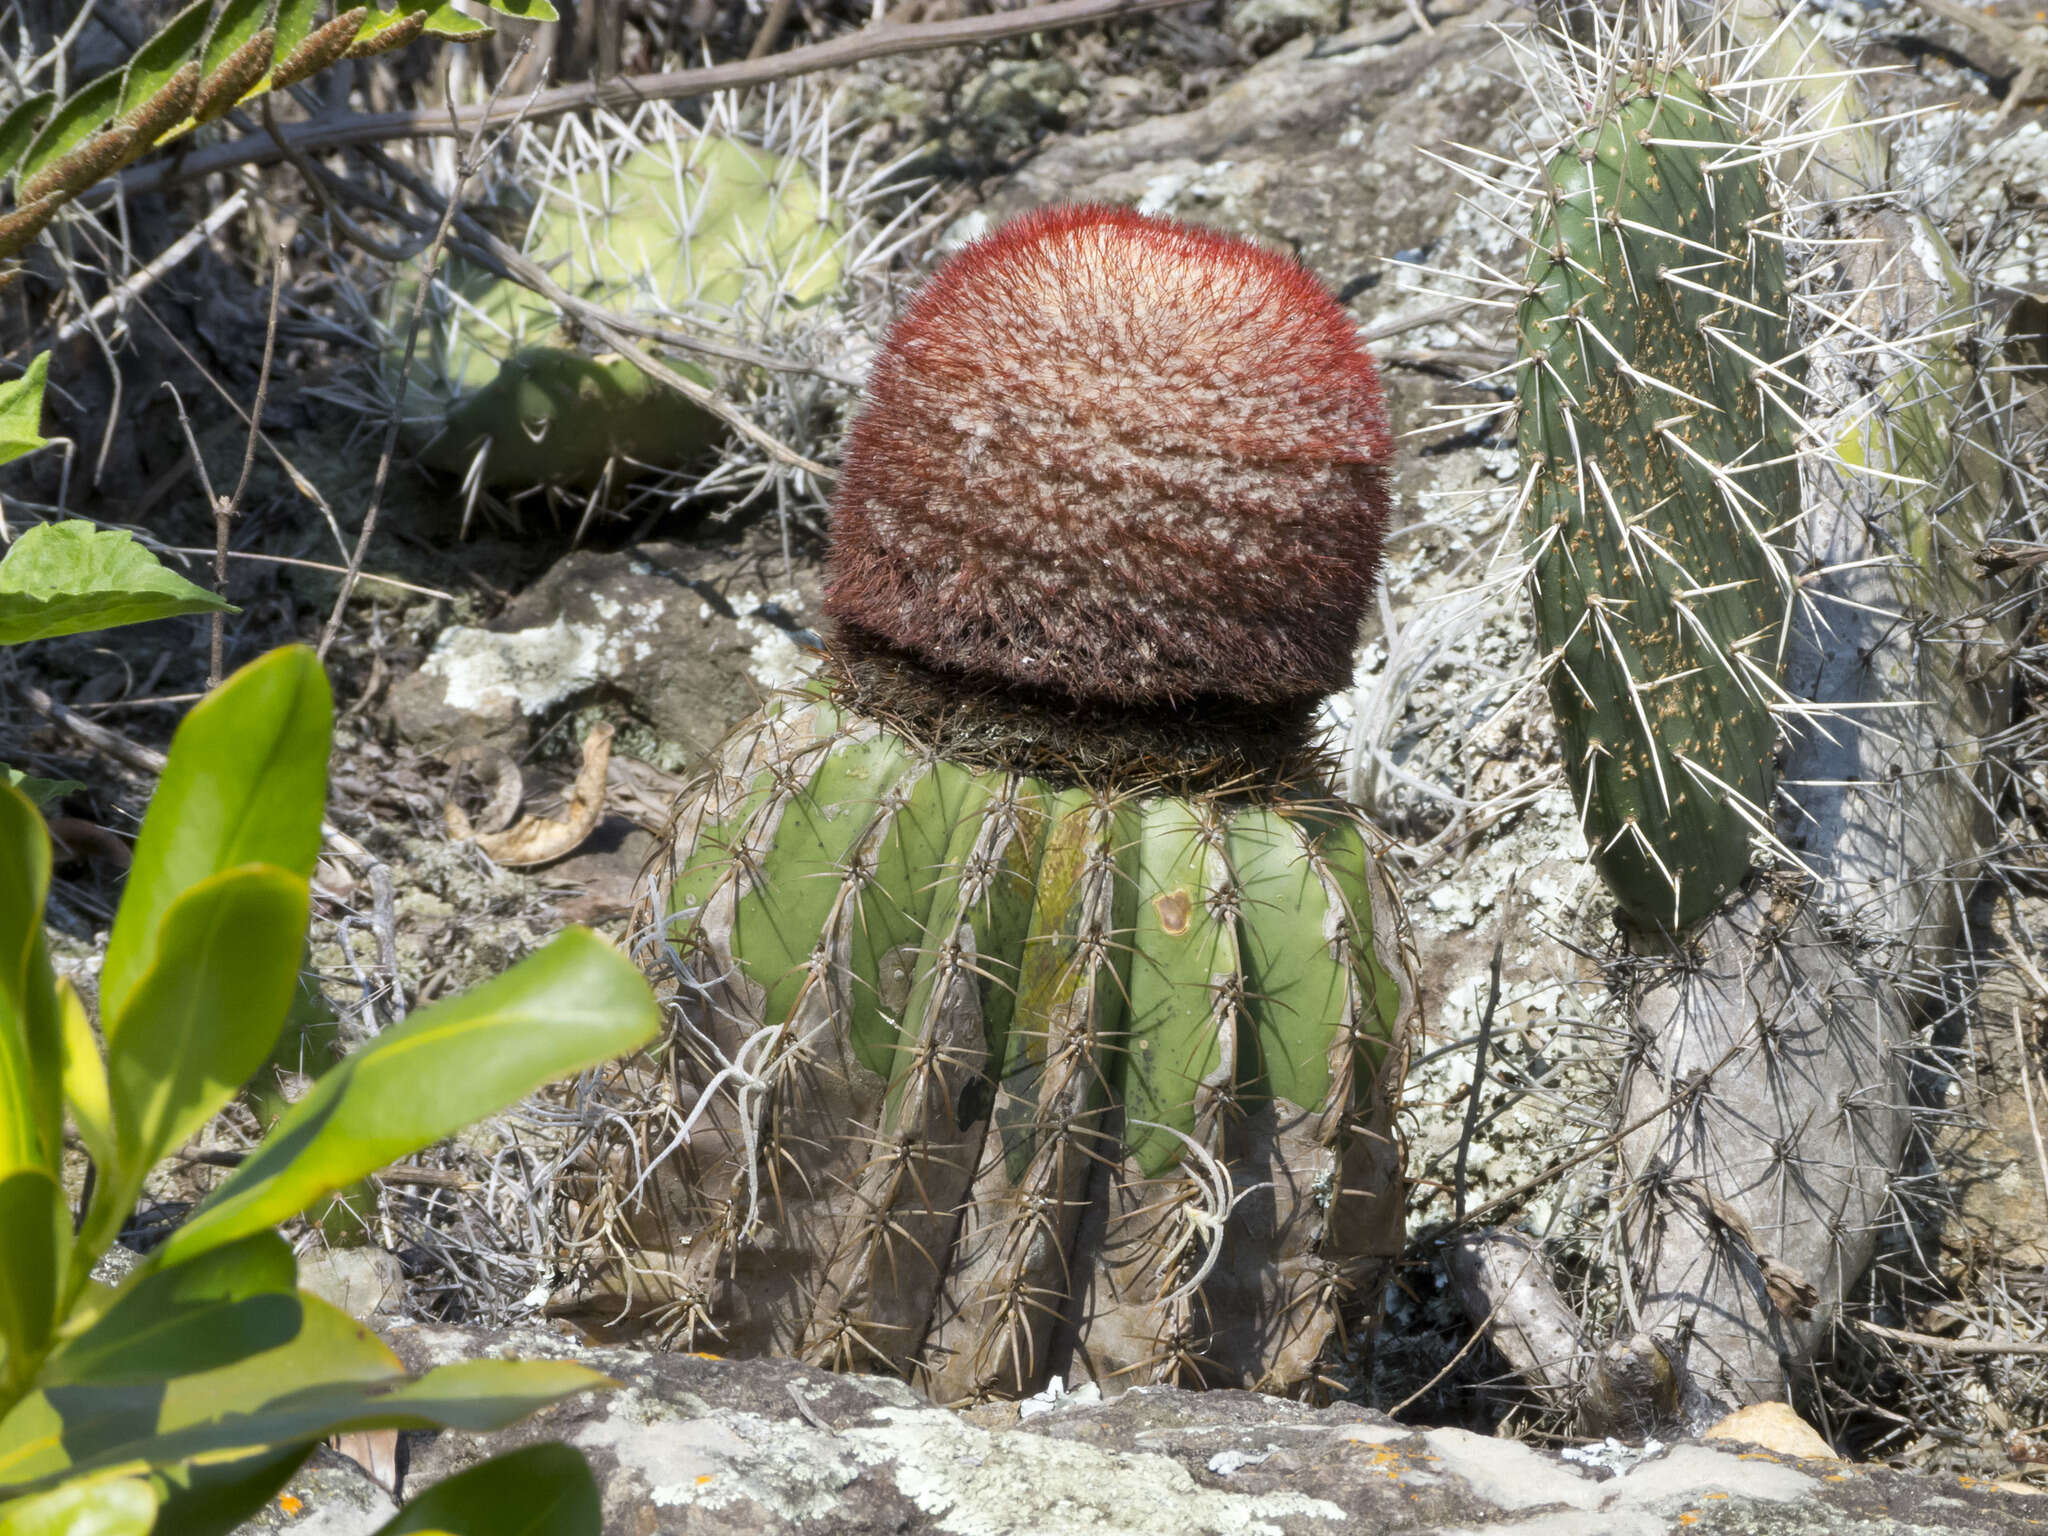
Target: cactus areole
[(1038, 1010)]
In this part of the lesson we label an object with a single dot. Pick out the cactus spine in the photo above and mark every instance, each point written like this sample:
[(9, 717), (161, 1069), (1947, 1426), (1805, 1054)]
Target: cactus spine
[(1054, 1026), (1658, 367), (957, 992)]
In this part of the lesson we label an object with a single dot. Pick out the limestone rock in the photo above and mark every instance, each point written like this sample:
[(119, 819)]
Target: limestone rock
[(690, 636), (694, 1444), (1775, 1427)]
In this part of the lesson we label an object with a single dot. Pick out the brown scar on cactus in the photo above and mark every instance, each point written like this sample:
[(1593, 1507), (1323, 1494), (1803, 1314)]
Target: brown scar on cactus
[(1036, 1008)]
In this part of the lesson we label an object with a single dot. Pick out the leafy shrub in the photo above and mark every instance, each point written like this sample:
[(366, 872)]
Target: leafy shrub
[(182, 1399)]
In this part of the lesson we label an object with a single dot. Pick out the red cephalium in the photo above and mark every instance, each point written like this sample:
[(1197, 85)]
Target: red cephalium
[(1120, 459)]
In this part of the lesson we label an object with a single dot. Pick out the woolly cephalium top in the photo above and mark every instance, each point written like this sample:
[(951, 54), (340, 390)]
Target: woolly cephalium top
[(1119, 460)]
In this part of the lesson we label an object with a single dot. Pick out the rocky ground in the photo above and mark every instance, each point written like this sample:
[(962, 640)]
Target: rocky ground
[(1311, 125)]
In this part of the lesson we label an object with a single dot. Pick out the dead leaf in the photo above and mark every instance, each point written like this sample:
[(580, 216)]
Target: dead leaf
[(539, 839), (1775, 1427), (508, 788), (1790, 1291), (79, 839), (375, 1451)]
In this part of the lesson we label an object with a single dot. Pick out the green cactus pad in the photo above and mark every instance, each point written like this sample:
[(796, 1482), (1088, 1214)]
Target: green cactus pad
[(1653, 337), (708, 228), (974, 1055)]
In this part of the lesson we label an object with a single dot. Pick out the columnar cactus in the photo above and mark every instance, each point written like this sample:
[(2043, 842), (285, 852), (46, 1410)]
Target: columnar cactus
[(1658, 395), (1037, 1009)]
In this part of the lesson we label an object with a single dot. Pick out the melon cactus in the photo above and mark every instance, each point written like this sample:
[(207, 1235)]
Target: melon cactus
[(1037, 1009), (1658, 398)]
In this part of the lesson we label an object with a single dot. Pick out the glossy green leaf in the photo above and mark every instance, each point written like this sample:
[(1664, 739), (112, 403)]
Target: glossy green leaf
[(245, 784), (445, 20), (214, 1498), (84, 112), (92, 1429), (175, 46), (576, 1003), (29, 1052), (204, 1016), (21, 411), (112, 1505), (18, 127), (33, 1222), (60, 578), (526, 10), (40, 792), (192, 1317), (84, 1075), (538, 1490), (60, 1431)]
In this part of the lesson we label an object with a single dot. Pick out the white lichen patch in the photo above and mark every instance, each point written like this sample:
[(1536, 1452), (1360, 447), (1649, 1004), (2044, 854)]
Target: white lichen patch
[(535, 669)]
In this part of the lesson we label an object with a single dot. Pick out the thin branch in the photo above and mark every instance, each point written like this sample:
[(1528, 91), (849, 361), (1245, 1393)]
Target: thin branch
[(2037, 1348), (148, 760), (471, 163), (146, 277), (224, 510), (1479, 1053), (621, 93)]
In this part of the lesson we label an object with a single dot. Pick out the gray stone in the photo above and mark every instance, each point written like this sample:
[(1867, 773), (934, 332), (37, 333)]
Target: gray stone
[(1318, 148), (363, 1282), (1262, 25), (690, 636), (695, 1444)]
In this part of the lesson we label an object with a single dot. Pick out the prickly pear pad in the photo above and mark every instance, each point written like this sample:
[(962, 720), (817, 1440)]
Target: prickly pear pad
[(1658, 396), (988, 1077)]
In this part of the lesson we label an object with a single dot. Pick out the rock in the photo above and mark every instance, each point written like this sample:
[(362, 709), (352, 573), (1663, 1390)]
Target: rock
[(363, 1282), (690, 636), (1775, 1427), (1006, 108), (695, 1444), (1318, 148), (1263, 25)]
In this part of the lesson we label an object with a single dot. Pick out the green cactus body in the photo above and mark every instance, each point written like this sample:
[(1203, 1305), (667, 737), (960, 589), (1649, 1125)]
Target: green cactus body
[(1654, 338), (1094, 1063), (707, 227)]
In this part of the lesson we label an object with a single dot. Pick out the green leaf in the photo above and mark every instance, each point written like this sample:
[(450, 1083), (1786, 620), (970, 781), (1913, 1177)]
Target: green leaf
[(283, 1398), (40, 792), (444, 20), (164, 55), (86, 1426), (84, 1076), (239, 21), (113, 1505), (21, 411), (18, 127), (538, 1490), (30, 1118), (295, 22), (576, 1003), (34, 1221), (188, 1318), (60, 578), (87, 109), (213, 1498), (205, 1015), (245, 784), (526, 10)]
